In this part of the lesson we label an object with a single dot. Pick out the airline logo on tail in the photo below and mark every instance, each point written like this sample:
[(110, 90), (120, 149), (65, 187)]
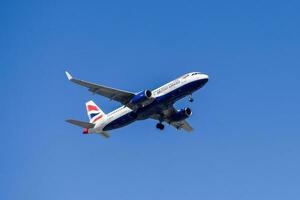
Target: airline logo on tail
[(94, 112)]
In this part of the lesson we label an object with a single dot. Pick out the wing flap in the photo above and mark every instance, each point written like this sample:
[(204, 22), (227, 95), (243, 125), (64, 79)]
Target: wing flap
[(182, 125)]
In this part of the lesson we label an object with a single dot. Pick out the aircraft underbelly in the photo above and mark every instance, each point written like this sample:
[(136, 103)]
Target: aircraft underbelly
[(121, 121)]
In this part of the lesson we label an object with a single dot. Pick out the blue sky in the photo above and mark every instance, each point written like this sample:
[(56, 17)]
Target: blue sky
[(246, 119)]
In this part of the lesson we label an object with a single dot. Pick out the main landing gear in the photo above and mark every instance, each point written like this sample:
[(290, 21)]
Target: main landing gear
[(160, 126), (191, 98)]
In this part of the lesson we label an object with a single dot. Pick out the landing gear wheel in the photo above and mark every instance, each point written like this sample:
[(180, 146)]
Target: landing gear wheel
[(160, 126), (191, 99)]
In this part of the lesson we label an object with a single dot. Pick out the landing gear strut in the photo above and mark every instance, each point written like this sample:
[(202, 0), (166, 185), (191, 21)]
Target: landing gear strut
[(160, 126), (191, 98)]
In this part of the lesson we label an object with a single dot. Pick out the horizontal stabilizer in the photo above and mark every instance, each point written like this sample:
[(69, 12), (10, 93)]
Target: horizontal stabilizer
[(80, 123), (105, 134)]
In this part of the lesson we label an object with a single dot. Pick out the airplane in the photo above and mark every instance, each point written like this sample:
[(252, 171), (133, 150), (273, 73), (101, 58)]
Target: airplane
[(157, 104)]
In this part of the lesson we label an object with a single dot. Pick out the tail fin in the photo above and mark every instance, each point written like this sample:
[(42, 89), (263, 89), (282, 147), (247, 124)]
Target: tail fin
[(94, 112)]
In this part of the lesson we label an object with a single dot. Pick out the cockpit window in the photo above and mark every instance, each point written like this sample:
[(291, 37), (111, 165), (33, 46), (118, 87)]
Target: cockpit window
[(195, 73)]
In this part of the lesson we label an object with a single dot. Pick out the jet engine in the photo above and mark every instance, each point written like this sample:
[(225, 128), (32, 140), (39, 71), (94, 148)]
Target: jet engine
[(181, 114), (142, 97)]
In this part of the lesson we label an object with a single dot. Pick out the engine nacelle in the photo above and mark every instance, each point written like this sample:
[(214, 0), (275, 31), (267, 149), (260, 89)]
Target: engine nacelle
[(181, 115), (141, 97)]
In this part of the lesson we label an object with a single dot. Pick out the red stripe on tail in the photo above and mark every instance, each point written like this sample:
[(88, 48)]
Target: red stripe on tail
[(91, 108)]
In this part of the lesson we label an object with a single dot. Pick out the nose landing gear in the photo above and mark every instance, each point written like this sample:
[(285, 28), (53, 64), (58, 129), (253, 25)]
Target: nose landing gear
[(160, 126), (191, 98)]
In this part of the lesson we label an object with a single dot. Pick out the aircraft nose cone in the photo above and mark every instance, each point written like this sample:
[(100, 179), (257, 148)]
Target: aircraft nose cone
[(204, 76)]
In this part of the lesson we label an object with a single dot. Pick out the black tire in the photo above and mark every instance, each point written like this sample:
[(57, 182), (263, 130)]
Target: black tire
[(160, 126)]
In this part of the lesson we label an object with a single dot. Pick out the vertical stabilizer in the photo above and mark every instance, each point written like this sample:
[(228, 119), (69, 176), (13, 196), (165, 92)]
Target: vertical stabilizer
[(94, 112)]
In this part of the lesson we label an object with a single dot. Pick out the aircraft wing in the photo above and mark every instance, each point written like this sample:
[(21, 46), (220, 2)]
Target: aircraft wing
[(167, 118), (113, 94)]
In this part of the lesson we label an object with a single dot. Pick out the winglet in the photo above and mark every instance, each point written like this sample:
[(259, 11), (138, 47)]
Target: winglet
[(69, 76)]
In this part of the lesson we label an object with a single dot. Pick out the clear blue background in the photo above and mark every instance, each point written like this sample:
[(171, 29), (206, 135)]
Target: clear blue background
[(246, 143)]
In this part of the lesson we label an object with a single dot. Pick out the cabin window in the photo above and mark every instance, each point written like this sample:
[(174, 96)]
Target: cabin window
[(185, 76)]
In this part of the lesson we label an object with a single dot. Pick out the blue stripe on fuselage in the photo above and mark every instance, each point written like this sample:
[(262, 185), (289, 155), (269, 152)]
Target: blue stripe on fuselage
[(164, 100)]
